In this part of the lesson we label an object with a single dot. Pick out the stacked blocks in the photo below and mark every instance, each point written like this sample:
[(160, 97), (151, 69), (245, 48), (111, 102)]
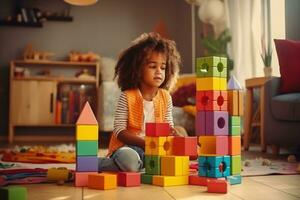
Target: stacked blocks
[(167, 157), (218, 129), (86, 146), (13, 193)]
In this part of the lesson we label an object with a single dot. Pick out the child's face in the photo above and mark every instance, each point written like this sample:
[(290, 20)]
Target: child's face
[(153, 71)]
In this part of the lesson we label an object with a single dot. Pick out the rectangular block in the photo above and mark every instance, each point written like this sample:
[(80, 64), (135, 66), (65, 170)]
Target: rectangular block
[(157, 129), (170, 180), (174, 165), (87, 148), (201, 180), (146, 178), (234, 143), (102, 181), (129, 179), (211, 66), (235, 103), (235, 125), (185, 146), (159, 145), (81, 178), (212, 123), (86, 163), (213, 100), (213, 145), (235, 165), (217, 186), (211, 83), (56, 174), (13, 193), (152, 164), (86, 132), (214, 166), (235, 179)]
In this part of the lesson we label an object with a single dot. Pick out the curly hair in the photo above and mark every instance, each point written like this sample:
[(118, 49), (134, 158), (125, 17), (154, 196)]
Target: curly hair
[(129, 66)]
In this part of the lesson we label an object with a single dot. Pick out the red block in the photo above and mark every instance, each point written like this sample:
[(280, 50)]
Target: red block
[(81, 178), (129, 179), (201, 180), (217, 186), (157, 129), (185, 146), (212, 100)]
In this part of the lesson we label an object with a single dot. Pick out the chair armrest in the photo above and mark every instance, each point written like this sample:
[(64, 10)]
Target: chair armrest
[(272, 87)]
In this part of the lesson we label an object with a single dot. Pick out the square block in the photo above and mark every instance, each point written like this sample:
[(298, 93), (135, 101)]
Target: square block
[(217, 186), (152, 165), (13, 193), (235, 179), (129, 179), (185, 146), (234, 143), (235, 102), (211, 123), (86, 132), (56, 174), (157, 129), (86, 163), (102, 181), (81, 178), (211, 83), (146, 178), (87, 148), (213, 145), (170, 180), (235, 165), (211, 66), (174, 165), (214, 166), (211, 100), (159, 145)]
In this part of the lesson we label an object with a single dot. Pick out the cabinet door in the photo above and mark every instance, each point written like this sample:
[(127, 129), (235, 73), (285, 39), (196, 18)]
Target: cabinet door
[(33, 102)]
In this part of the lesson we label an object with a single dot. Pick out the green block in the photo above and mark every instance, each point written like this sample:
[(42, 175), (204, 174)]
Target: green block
[(211, 67), (235, 120), (146, 178), (235, 130), (13, 193), (87, 148), (235, 165), (152, 165)]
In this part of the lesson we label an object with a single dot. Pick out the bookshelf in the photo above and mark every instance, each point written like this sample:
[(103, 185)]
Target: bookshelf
[(49, 94)]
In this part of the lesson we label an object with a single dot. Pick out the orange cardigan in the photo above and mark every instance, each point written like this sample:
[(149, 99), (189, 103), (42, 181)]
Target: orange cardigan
[(135, 114)]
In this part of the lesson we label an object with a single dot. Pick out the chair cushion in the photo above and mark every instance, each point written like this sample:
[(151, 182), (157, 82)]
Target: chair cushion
[(286, 107), (288, 52)]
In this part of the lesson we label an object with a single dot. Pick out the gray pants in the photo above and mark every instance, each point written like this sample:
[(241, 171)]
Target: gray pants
[(127, 158)]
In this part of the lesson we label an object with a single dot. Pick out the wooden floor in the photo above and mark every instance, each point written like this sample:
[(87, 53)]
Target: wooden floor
[(260, 187)]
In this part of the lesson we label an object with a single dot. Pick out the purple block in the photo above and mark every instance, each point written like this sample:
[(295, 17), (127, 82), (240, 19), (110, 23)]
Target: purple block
[(200, 123), (212, 123), (87, 164)]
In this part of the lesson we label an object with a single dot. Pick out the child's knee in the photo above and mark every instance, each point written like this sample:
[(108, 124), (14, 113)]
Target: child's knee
[(128, 159)]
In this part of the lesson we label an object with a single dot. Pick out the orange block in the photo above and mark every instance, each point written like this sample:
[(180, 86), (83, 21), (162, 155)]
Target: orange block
[(235, 102), (213, 145), (87, 116), (102, 181), (234, 145), (217, 186), (81, 178)]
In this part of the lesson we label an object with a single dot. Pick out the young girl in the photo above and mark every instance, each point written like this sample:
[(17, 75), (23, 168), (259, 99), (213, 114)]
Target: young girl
[(145, 72)]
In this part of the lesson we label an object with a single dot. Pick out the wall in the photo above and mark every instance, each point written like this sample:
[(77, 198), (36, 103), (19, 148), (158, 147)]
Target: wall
[(105, 28), (292, 16)]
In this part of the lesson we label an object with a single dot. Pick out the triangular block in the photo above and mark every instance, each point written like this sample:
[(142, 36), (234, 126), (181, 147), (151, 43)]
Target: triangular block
[(87, 116)]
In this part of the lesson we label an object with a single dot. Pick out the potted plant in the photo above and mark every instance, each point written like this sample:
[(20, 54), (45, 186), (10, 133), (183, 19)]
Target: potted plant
[(266, 57)]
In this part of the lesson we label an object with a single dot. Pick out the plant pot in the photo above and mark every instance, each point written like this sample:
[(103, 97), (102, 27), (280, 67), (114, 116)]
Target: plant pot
[(268, 71)]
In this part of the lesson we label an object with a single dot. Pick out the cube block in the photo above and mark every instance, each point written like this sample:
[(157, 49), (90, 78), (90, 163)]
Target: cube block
[(102, 181), (214, 166), (211, 83), (86, 163), (213, 145), (217, 186), (211, 66), (129, 179), (174, 165), (146, 178), (235, 179), (212, 123), (86, 132), (234, 143), (152, 164), (170, 180), (81, 178), (185, 146), (212, 100), (235, 103), (87, 148), (157, 129), (235, 165), (13, 193), (158, 145)]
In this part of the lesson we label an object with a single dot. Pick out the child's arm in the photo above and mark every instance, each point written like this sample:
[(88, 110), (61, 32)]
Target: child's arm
[(131, 139)]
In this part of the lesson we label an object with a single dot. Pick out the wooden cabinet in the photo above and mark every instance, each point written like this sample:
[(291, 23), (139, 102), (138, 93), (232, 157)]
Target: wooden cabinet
[(49, 94)]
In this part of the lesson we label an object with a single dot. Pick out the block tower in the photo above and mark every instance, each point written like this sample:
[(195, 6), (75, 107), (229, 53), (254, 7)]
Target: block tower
[(86, 146), (213, 124)]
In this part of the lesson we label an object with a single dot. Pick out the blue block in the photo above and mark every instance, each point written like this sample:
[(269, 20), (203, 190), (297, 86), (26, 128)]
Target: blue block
[(233, 180), (87, 164)]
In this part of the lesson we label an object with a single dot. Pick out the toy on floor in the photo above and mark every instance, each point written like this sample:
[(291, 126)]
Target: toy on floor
[(13, 193), (292, 159)]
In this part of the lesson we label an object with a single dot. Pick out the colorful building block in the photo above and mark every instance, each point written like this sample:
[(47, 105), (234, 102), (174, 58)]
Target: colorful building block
[(157, 129), (235, 179), (81, 178), (197, 180), (217, 186), (86, 132), (212, 100), (57, 174), (235, 165), (170, 180), (214, 166), (174, 165), (152, 164), (185, 146), (87, 116), (212, 123), (235, 103), (13, 193), (213, 145), (235, 125), (234, 143), (129, 179), (211, 66), (146, 178), (86, 163), (211, 83), (87, 148), (158, 145), (102, 181)]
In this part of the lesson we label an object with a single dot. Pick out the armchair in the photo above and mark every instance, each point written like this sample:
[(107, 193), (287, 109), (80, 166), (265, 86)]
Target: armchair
[(281, 116)]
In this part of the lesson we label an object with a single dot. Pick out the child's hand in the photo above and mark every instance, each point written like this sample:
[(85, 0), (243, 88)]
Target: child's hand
[(174, 132), (179, 131)]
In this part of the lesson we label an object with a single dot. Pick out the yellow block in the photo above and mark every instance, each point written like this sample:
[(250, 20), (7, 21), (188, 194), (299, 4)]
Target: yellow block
[(170, 180), (211, 83), (158, 145), (174, 165), (86, 132), (186, 165)]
